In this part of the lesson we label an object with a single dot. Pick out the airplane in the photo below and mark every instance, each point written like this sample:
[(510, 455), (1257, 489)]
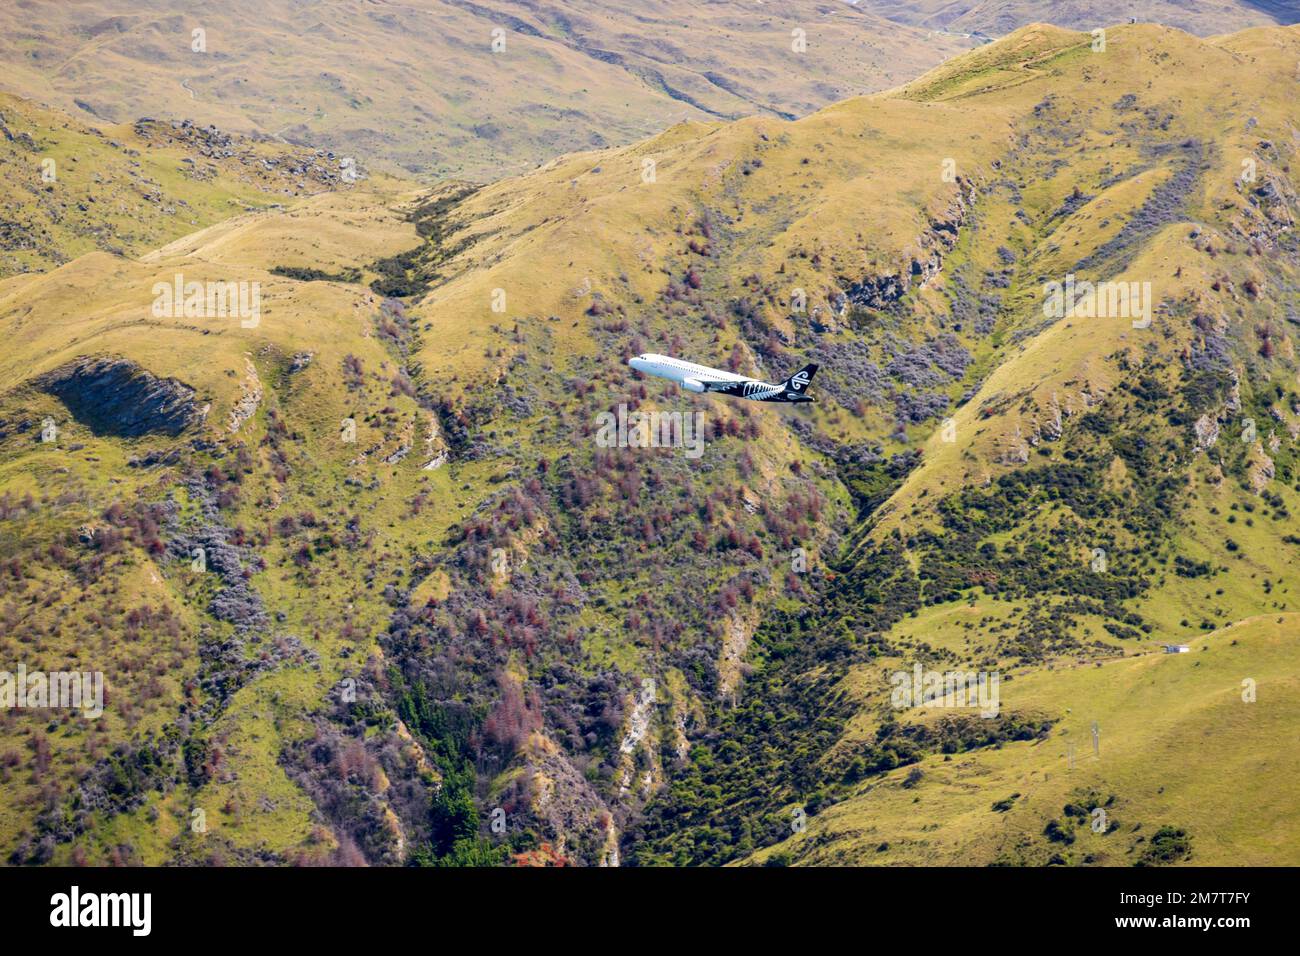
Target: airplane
[(701, 378)]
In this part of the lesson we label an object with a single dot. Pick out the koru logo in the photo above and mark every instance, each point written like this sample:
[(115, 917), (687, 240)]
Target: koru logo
[(799, 382)]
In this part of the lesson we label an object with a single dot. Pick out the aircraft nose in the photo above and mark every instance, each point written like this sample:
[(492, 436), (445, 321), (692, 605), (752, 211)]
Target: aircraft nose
[(636, 362)]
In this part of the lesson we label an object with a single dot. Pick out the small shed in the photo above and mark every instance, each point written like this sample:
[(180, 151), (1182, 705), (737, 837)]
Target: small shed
[(1176, 648)]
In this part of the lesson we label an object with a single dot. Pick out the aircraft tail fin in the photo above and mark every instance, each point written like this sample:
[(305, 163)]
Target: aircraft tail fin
[(798, 382)]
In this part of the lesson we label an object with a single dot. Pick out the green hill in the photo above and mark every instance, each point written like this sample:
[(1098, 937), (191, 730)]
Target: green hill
[(429, 594)]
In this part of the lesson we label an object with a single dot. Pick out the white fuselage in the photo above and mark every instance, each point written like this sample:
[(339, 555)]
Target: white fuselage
[(687, 374)]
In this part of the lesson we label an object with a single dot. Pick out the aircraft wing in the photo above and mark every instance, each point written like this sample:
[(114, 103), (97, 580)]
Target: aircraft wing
[(716, 384), (701, 384)]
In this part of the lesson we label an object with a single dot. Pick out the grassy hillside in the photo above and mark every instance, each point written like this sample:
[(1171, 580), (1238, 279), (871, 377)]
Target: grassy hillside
[(74, 188), (420, 86), (1178, 747), (992, 18), (430, 598)]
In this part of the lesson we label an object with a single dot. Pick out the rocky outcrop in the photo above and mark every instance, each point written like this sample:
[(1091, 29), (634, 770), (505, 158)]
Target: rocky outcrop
[(1262, 470), (320, 167), (1015, 450), (609, 856), (435, 446), (1054, 425), (639, 720), (638, 725), (208, 544), (114, 396), (878, 292), (1207, 432), (566, 807), (249, 399), (737, 633), (883, 291)]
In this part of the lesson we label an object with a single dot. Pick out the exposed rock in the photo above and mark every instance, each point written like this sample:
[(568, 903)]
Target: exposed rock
[(609, 856), (289, 169), (1233, 404), (1207, 432), (1052, 430), (1261, 468), (882, 291), (638, 724), (114, 396), (249, 400), (681, 743), (639, 720), (435, 445), (735, 642), (565, 805), (877, 292), (155, 457), (1017, 449)]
